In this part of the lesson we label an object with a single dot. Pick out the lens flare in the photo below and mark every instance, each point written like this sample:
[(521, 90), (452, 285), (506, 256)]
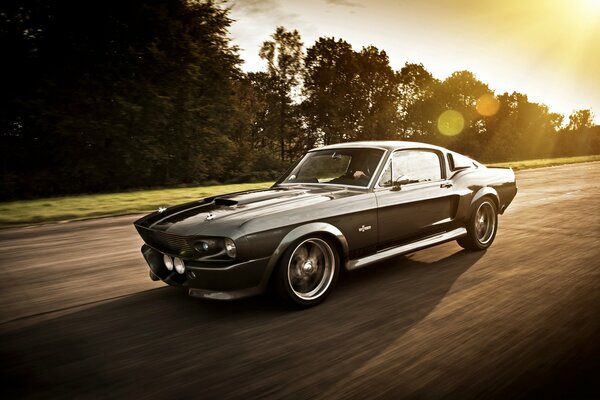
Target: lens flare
[(451, 123), (487, 105)]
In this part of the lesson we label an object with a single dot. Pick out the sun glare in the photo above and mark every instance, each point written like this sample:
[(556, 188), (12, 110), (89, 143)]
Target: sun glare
[(592, 4)]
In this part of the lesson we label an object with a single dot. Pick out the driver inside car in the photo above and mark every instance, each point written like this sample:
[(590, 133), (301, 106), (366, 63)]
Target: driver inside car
[(359, 171), (359, 174)]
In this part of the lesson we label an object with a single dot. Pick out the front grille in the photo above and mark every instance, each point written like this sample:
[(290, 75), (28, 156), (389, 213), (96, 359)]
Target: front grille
[(175, 244), (167, 242)]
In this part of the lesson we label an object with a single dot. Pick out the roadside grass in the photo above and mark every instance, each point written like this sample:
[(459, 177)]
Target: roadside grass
[(545, 162), (71, 208)]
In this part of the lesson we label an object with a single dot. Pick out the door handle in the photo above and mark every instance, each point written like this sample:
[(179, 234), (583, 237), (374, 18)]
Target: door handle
[(446, 185)]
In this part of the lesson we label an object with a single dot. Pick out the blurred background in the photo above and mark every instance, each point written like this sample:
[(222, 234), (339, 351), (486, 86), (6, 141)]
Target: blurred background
[(107, 96)]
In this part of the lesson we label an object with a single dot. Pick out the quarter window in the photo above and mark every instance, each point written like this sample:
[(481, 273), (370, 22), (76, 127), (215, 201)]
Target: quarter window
[(417, 165)]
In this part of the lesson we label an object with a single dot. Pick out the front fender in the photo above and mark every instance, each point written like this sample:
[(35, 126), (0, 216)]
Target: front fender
[(304, 230)]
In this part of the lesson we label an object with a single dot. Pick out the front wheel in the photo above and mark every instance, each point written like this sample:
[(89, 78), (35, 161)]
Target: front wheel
[(307, 272), (482, 226)]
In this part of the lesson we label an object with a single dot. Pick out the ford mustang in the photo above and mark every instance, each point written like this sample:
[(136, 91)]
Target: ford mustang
[(342, 206)]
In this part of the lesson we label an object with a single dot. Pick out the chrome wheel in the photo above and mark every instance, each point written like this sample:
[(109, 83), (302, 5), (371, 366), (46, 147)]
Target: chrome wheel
[(481, 227), (311, 268), (485, 222)]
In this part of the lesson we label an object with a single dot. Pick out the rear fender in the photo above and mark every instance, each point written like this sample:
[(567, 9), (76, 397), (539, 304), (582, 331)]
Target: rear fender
[(487, 191)]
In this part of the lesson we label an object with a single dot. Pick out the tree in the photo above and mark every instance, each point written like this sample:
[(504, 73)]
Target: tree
[(520, 130), (580, 119), (349, 95), (284, 55), (416, 111), (103, 95), (460, 92), (377, 95), (579, 136), (329, 82), (255, 156)]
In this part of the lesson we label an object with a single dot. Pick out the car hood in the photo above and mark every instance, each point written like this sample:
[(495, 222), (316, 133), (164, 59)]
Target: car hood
[(223, 213)]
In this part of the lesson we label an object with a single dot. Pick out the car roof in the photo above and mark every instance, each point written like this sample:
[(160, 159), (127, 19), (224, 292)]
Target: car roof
[(381, 144)]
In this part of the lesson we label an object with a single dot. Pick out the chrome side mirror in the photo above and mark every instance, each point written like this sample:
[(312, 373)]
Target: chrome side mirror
[(402, 180)]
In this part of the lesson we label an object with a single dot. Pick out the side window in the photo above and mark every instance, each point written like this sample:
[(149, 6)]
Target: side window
[(458, 161), (417, 165)]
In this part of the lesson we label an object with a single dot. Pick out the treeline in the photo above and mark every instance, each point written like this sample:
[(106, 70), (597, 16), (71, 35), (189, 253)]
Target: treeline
[(110, 95)]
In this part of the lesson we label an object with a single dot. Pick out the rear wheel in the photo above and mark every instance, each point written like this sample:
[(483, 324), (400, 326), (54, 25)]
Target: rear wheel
[(482, 226), (307, 272)]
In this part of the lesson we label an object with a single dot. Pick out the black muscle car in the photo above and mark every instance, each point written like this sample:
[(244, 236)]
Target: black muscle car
[(340, 206)]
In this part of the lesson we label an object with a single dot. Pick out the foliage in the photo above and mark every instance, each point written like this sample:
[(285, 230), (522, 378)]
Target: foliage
[(349, 95), (102, 96), (105, 95), (284, 55)]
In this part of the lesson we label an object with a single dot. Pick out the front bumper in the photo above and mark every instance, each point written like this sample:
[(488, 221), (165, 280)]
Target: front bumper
[(225, 282)]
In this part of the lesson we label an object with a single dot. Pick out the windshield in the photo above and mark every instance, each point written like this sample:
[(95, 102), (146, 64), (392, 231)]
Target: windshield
[(353, 167)]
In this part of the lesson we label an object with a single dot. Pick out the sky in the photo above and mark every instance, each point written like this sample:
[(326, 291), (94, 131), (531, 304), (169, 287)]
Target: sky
[(547, 49)]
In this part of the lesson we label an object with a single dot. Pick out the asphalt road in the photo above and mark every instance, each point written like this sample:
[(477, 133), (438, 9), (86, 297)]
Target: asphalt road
[(80, 318)]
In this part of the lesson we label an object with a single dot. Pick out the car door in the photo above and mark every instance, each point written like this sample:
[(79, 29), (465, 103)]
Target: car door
[(423, 207)]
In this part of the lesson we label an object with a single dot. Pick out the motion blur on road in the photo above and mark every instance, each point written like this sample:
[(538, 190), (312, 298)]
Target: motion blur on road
[(81, 318)]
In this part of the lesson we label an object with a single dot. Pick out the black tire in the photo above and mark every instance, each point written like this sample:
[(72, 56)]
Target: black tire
[(307, 272), (482, 226)]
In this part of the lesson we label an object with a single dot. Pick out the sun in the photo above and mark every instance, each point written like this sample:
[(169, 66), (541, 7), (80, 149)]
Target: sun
[(592, 4)]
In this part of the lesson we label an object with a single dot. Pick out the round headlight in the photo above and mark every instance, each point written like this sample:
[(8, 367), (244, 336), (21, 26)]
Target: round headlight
[(168, 262), (179, 265), (230, 248), (201, 246)]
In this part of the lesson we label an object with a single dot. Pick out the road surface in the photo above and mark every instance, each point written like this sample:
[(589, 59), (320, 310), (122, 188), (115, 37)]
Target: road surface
[(80, 318)]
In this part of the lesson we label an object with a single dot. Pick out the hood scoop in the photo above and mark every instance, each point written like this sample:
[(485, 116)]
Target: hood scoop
[(224, 202)]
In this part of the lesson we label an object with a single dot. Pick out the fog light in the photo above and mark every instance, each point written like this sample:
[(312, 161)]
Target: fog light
[(168, 262), (230, 247), (179, 265)]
